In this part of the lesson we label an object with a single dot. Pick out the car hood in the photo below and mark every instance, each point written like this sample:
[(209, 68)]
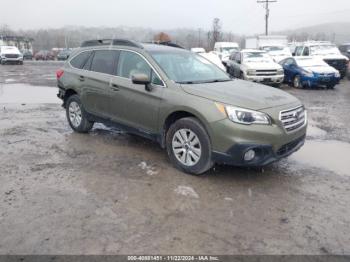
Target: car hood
[(321, 69), (331, 56), (10, 51), (262, 65), (242, 94)]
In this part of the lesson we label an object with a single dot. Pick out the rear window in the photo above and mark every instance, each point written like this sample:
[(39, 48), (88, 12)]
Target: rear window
[(80, 60), (104, 61)]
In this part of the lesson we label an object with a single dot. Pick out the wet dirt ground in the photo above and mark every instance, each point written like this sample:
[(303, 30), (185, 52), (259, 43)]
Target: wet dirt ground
[(109, 192)]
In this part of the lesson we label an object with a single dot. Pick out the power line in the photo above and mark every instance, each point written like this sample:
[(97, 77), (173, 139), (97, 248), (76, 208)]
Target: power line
[(266, 3)]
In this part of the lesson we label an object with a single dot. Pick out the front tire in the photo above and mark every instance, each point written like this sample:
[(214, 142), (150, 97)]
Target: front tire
[(76, 115), (297, 82), (330, 86), (188, 146)]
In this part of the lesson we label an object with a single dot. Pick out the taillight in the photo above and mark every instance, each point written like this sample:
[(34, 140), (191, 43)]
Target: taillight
[(59, 73)]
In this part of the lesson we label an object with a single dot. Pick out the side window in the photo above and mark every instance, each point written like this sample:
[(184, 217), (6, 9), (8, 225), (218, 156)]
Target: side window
[(88, 63), (299, 51), (80, 60), (238, 57), (104, 61), (306, 51), (290, 62), (156, 80), (131, 63)]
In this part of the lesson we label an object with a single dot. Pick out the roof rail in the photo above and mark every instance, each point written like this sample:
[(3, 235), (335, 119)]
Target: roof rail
[(167, 43), (111, 42)]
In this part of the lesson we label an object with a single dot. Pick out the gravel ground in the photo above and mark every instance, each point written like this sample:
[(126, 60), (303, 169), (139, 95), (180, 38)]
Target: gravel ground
[(109, 192)]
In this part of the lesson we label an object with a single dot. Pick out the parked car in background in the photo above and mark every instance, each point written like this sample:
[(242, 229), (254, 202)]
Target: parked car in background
[(10, 55), (27, 55), (64, 54), (309, 72), (198, 50), (44, 55), (327, 52), (190, 107), (345, 50), (278, 53), (255, 65), (224, 49), (209, 56)]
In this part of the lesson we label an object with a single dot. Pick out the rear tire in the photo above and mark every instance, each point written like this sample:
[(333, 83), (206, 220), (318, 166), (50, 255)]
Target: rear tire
[(188, 146), (76, 115)]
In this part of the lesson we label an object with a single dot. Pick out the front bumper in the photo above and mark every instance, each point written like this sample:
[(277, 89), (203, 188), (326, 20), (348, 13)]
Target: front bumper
[(230, 141), (264, 154), (11, 60), (319, 81), (276, 79)]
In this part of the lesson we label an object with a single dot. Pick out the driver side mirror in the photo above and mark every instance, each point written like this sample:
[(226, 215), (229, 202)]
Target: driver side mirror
[(141, 79)]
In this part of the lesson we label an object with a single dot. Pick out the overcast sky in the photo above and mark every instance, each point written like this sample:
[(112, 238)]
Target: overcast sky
[(238, 16)]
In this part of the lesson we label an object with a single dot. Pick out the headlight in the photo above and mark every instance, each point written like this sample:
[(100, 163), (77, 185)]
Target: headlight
[(246, 116), (337, 74), (308, 73), (280, 72), (251, 72)]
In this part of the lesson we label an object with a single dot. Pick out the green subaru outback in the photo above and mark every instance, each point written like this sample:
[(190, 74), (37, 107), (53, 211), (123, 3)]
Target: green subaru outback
[(188, 105)]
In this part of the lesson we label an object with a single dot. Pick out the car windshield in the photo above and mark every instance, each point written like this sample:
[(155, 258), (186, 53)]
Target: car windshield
[(324, 50), (256, 57), (277, 50), (308, 62), (273, 48), (189, 68), (229, 49)]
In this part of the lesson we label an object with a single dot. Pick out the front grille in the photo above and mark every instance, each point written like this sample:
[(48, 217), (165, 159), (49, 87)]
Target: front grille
[(293, 119), (339, 64), (11, 56), (266, 72), (288, 148)]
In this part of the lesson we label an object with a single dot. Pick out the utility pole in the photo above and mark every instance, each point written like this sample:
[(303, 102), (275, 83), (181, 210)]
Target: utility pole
[(266, 3)]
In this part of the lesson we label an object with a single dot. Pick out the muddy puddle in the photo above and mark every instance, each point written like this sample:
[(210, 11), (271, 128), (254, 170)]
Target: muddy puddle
[(326, 154), (27, 94)]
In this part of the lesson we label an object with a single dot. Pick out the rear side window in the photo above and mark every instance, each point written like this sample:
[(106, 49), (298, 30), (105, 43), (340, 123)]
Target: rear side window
[(80, 60), (104, 61)]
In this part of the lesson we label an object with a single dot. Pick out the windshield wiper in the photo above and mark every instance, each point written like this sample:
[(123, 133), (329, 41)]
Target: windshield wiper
[(203, 82), (218, 80)]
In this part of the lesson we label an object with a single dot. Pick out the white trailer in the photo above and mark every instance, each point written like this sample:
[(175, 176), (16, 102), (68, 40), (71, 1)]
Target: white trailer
[(275, 45)]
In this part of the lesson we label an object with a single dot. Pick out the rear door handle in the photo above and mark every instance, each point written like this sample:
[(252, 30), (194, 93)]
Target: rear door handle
[(81, 78)]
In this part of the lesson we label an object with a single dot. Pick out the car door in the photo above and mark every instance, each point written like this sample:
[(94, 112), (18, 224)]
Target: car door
[(97, 91), (288, 69), (136, 106), (237, 65), (230, 64)]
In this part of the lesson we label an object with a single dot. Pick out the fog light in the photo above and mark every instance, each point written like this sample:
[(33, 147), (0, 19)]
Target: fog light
[(249, 155)]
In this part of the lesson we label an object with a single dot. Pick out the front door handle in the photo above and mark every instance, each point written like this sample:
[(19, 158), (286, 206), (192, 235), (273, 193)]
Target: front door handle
[(115, 87), (81, 78)]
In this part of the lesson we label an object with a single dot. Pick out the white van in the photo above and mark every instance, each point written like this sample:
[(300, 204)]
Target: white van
[(224, 49), (10, 54)]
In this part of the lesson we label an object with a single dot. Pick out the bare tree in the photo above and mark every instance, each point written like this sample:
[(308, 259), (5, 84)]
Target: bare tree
[(6, 30)]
